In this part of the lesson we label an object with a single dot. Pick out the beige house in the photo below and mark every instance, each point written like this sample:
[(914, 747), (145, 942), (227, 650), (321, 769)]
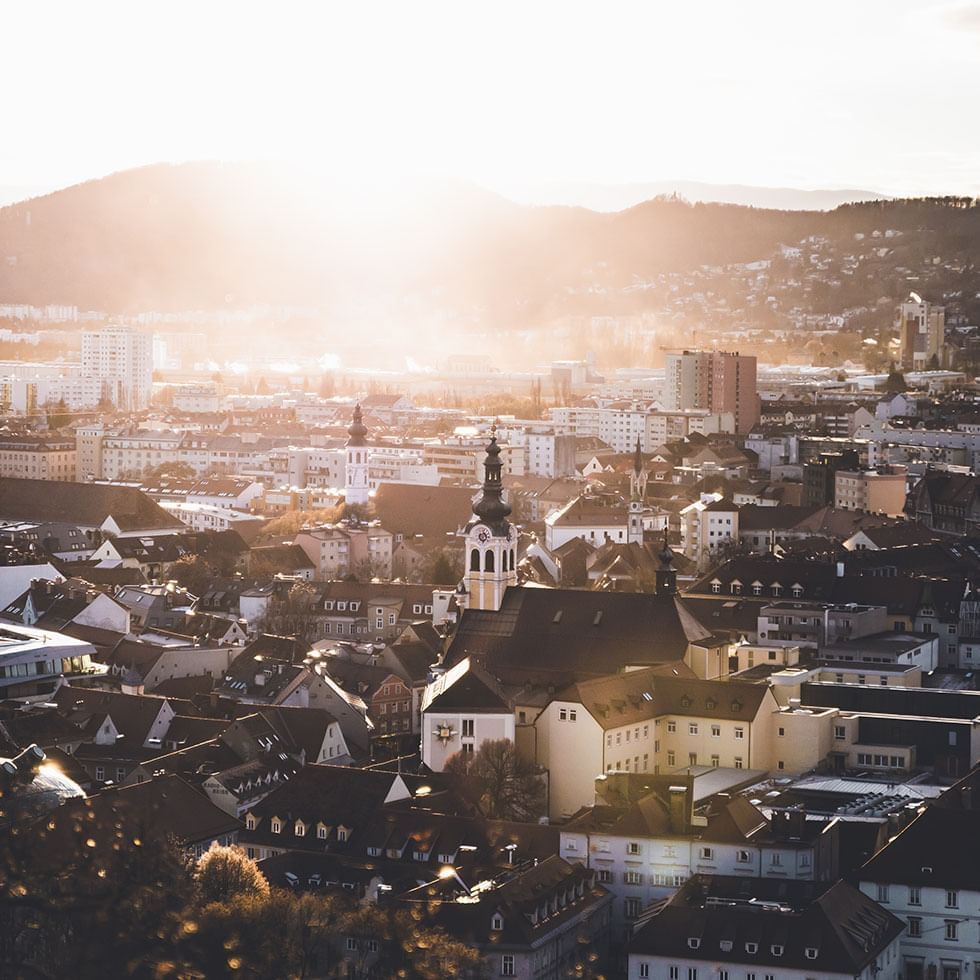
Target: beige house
[(649, 720)]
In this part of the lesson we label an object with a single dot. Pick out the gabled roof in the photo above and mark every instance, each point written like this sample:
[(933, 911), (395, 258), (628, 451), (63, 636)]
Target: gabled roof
[(132, 714), (86, 504), (165, 805), (332, 794), (639, 695), (565, 635), (939, 849), (465, 687), (411, 509), (768, 922)]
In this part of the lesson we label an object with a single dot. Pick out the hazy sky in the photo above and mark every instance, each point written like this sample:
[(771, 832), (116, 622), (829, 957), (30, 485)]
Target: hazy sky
[(879, 94)]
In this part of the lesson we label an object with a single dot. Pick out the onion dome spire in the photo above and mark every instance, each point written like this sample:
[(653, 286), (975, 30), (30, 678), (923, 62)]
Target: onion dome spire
[(491, 507), (358, 430)]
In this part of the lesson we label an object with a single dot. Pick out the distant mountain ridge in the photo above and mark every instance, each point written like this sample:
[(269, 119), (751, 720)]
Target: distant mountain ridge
[(618, 197), (211, 236)]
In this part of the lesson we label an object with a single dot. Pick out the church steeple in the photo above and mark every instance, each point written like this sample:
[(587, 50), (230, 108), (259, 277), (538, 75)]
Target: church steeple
[(638, 487), (491, 541), (666, 575), (358, 430), (356, 480), (491, 508)]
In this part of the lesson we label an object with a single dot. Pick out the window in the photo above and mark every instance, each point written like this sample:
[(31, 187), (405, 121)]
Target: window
[(632, 908), (810, 952), (840, 733), (100, 773), (342, 834), (707, 854), (740, 733), (671, 759), (743, 857), (276, 825), (915, 895), (604, 876), (644, 971), (468, 727), (716, 761), (739, 764), (673, 973), (571, 714), (776, 860), (632, 877), (692, 971), (952, 929), (351, 944), (632, 848), (716, 731), (692, 728), (497, 923), (671, 727), (300, 829), (782, 732), (915, 927), (882, 893), (777, 949), (373, 945), (562, 714), (752, 948), (952, 899)]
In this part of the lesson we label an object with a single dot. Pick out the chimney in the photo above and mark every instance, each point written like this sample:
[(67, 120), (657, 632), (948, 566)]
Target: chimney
[(679, 808)]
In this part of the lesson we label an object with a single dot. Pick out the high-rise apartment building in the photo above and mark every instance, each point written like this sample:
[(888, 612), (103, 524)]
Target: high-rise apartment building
[(922, 334), (122, 359), (719, 381)]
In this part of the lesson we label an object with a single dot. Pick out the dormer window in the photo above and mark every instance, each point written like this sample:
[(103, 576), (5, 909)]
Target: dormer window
[(300, 829), (693, 942), (797, 591), (497, 923), (716, 587), (811, 952), (777, 949), (275, 825), (321, 831), (736, 588), (342, 834), (250, 822), (751, 947), (777, 589), (725, 945)]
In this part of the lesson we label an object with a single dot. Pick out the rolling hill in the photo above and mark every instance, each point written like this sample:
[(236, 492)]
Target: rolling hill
[(207, 235)]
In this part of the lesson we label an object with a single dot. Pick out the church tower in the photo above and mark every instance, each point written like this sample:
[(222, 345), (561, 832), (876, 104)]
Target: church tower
[(638, 489), (491, 542), (666, 575), (356, 480)]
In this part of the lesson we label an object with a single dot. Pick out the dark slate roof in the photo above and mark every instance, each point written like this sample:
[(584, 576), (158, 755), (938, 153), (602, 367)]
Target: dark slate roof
[(846, 928), (85, 504), (159, 807), (939, 849), (332, 794), (566, 634), (465, 687)]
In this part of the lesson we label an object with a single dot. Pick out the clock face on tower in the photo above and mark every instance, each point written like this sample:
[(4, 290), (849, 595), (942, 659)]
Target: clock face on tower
[(483, 535)]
